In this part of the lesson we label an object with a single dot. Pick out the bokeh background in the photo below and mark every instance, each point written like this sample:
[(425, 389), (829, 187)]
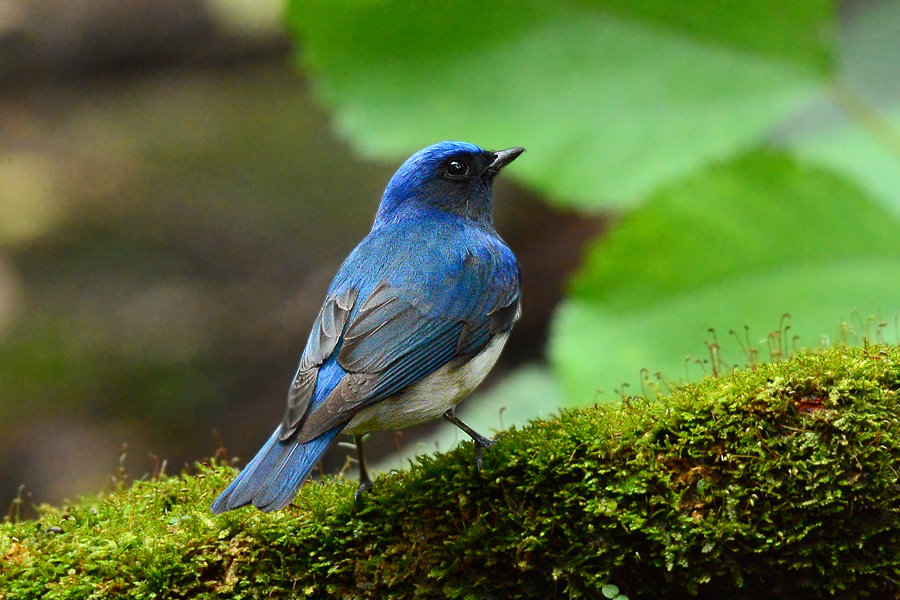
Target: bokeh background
[(179, 180)]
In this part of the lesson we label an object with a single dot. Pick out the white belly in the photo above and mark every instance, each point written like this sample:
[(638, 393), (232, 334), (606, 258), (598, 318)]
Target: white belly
[(429, 398)]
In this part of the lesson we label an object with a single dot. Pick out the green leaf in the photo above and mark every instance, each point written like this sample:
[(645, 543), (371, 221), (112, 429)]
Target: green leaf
[(611, 98), (738, 245), (856, 153), (855, 128)]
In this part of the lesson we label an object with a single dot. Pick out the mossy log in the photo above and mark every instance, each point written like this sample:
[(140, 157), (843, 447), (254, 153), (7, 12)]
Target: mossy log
[(780, 481)]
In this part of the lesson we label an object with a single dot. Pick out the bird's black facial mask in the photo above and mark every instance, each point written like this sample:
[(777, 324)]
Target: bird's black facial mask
[(464, 181), (463, 187)]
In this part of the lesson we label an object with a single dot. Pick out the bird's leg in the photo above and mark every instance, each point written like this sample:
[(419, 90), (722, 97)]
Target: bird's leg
[(481, 442), (365, 482)]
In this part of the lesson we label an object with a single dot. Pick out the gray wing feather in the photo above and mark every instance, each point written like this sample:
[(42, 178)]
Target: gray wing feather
[(323, 339)]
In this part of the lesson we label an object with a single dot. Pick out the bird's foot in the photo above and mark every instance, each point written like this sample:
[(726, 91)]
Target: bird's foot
[(365, 482), (364, 486), (481, 442)]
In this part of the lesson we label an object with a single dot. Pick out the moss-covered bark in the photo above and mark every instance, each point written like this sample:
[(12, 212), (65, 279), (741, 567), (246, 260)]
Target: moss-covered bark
[(776, 482)]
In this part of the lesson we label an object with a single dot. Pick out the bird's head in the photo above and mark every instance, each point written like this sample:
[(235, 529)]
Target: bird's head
[(454, 177)]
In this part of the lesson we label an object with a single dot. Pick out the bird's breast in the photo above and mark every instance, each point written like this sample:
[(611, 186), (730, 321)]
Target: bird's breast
[(431, 396)]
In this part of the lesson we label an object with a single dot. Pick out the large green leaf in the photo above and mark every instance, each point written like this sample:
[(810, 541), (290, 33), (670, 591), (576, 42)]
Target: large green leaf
[(611, 97), (738, 245)]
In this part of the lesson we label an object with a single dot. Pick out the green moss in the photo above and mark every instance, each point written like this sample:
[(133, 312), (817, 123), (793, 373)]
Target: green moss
[(779, 481)]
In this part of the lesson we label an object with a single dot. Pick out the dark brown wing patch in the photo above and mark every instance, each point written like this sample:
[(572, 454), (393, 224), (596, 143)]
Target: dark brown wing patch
[(323, 339), (344, 401)]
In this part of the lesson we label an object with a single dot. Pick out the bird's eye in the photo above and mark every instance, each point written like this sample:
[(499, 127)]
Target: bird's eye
[(456, 169)]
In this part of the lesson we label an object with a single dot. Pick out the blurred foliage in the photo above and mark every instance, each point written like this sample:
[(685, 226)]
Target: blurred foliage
[(605, 95), (129, 295), (673, 111), (852, 126), (31, 203), (257, 18), (162, 251)]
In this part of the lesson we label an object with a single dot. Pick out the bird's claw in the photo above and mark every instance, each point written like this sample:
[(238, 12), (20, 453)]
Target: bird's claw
[(481, 442), (364, 486), (480, 445)]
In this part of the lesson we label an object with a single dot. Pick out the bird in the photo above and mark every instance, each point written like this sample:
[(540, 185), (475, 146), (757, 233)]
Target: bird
[(414, 319)]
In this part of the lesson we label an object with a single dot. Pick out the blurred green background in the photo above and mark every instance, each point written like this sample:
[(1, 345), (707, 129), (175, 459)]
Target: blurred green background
[(179, 180)]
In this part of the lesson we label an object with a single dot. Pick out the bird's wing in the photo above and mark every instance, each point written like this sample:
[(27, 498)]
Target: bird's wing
[(323, 339), (403, 332)]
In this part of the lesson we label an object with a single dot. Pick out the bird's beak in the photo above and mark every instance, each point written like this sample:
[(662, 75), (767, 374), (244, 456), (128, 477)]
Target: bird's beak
[(503, 158)]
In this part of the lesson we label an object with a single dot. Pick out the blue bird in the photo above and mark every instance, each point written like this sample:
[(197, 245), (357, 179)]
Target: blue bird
[(413, 321)]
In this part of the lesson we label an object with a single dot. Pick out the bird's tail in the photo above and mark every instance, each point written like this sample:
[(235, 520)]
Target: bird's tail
[(271, 480)]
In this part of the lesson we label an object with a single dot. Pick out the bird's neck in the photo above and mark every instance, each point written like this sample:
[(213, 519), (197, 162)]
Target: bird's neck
[(413, 211)]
